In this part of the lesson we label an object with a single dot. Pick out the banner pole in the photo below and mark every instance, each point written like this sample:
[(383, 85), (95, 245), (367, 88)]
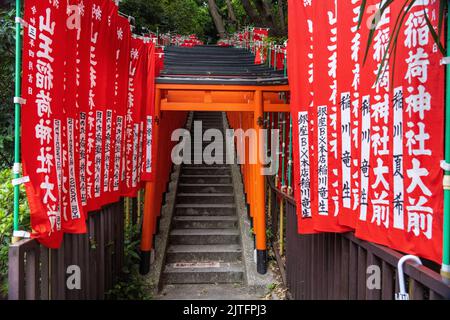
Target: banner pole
[(445, 271), (17, 107)]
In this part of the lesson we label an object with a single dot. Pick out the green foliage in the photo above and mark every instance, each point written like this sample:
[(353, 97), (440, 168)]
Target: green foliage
[(6, 223), (7, 41), (131, 285), (179, 16)]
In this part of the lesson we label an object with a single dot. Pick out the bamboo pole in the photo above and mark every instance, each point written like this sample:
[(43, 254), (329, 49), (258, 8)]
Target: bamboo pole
[(17, 107), (445, 271)]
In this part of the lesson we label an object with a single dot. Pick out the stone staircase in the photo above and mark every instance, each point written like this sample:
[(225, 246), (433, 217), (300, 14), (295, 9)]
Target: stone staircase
[(205, 240)]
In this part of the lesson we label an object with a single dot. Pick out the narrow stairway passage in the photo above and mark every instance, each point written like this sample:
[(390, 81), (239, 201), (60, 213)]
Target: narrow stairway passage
[(205, 241)]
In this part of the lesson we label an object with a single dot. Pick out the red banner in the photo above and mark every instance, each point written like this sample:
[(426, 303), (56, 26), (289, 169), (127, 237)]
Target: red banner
[(133, 123), (77, 21), (122, 63), (43, 88), (378, 147), (300, 57), (418, 127), (148, 116)]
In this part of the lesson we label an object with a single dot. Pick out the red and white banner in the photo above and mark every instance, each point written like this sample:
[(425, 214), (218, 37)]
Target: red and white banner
[(43, 89), (86, 138), (148, 116), (123, 40), (133, 122), (301, 75), (375, 165)]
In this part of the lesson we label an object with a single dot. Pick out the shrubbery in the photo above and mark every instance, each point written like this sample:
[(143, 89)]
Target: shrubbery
[(6, 223)]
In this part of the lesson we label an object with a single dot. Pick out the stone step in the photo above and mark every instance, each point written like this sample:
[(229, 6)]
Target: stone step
[(204, 253), (205, 198), (205, 222), (205, 210), (205, 188), (206, 171), (203, 273), (204, 236), (206, 179)]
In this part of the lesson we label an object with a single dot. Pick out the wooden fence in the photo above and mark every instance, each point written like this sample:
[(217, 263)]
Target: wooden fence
[(37, 273), (335, 266)]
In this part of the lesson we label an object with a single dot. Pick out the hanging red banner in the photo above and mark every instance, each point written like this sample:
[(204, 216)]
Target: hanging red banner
[(136, 102), (148, 115), (376, 148), (42, 89), (388, 136), (122, 63), (98, 97), (327, 170), (300, 71), (108, 130), (418, 110), (73, 215)]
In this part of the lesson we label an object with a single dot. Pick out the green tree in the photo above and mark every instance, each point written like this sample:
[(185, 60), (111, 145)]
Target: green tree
[(7, 40)]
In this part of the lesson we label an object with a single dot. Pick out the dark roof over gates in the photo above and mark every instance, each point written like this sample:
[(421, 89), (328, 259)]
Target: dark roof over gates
[(216, 65)]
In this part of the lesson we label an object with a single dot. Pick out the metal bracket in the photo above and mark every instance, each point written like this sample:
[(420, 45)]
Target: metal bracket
[(19, 100), (445, 61), (22, 22), (19, 181), (22, 234)]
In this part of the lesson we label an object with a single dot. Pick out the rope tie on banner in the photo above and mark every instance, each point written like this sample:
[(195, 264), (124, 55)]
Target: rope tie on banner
[(22, 234), (22, 22), (446, 167), (445, 61), (19, 100), (16, 169)]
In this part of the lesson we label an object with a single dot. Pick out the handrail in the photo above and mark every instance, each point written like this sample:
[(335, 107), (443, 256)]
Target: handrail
[(422, 274)]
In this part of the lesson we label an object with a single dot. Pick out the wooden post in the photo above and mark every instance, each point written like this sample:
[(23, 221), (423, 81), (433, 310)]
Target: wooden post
[(149, 219), (259, 189)]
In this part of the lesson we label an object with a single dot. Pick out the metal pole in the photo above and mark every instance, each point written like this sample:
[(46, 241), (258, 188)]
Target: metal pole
[(445, 271), (17, 107)]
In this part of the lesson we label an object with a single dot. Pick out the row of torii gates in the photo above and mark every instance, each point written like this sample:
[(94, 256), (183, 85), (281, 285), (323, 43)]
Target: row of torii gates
[(211, 79)]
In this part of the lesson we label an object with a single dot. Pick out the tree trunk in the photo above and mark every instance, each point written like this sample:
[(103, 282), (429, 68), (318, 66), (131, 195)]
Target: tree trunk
[(267, 5), (281, 15), (231, 13), (217, 18), (252, 13)]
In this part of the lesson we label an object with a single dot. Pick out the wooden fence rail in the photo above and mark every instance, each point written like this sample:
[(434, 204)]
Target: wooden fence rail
[(337, 266), (37, 273)]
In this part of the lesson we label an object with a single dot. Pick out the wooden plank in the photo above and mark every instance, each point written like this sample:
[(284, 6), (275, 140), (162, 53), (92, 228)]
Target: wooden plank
[(32, 290), (373, 293), (322, 266), (387, 281), (330, 264), (345, 269), (362, 269), (435, 296), (45, 269), (93, 261), (416, 290), (101, 257), (337, 266), (16, 280), (353, 271)]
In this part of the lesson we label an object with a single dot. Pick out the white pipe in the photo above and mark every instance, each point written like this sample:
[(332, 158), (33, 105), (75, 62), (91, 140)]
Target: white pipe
[(403, 295)]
